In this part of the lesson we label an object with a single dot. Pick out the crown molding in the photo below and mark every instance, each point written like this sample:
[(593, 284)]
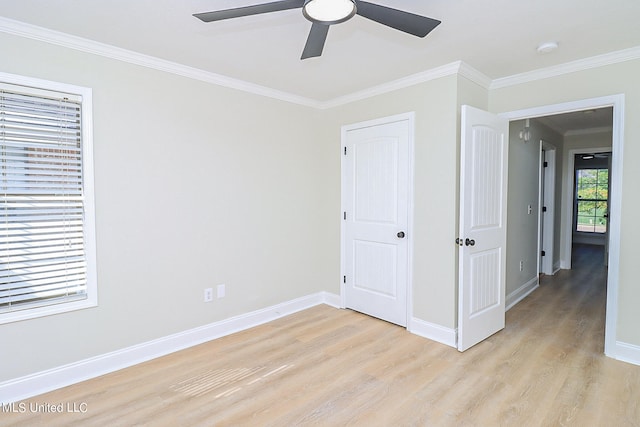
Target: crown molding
[(58, 38), (568, 67), (460, 68), (404, 82), (454, 68), (33, 32), (474, 75)]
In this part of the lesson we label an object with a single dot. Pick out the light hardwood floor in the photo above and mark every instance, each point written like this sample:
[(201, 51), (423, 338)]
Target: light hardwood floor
[(331, 367)]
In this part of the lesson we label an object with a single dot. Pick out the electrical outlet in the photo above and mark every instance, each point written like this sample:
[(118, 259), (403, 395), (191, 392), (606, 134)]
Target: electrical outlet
[(221, 290), (208, 295), (521, 265)]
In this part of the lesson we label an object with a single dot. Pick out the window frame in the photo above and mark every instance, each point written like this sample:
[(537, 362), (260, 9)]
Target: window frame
[(35, 86), (577, 200)]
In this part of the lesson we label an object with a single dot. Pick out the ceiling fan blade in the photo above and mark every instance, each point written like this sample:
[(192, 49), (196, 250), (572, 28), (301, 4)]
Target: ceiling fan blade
[(407, 22), (315, 41), (249, 10)]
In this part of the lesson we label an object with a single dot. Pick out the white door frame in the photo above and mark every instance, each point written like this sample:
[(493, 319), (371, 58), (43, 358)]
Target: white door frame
[(547, 199), (410, 117), (618, 104)]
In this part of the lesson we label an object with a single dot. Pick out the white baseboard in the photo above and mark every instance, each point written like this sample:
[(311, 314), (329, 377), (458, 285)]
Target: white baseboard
[(521, 293), (62, 376), (446, 336), (332, 300), (627, 353)]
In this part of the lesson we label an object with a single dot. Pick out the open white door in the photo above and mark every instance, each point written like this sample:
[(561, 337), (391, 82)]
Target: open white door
[(547, 207), (483, 228)]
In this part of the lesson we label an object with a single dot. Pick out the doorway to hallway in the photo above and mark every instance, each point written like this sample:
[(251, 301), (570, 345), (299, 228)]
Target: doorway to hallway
[(616, 103)]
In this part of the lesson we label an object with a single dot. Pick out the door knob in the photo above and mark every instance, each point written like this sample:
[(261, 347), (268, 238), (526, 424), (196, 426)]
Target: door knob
[(401, 234), (469, 242)]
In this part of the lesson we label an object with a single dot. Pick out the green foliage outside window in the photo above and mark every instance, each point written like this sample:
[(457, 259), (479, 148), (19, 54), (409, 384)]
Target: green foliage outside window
[(592, 187)]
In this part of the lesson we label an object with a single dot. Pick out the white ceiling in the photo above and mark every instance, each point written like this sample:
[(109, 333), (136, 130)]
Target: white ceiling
[(496, 37), (600, 119)]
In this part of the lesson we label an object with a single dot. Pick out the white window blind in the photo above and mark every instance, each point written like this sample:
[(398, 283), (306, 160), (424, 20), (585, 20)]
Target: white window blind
[(42, 239)]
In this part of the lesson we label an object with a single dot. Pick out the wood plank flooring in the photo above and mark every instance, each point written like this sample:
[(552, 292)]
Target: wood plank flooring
[(331, 367)]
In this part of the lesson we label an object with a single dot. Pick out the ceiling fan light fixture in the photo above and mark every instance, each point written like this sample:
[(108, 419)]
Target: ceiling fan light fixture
[(329, 12)]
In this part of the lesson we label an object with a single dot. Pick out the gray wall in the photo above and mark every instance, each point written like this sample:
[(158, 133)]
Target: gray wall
[(524, 191), (522, 224), (198, 185), (195, 185), (436, 104)]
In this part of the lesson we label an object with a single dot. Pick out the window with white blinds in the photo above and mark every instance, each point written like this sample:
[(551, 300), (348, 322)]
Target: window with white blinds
[(45, 242)]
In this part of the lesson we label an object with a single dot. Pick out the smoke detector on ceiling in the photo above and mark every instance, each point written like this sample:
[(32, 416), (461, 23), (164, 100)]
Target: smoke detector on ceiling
[(547, 47)]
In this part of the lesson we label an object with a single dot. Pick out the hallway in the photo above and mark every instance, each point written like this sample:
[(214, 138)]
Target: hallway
[(571, 300)]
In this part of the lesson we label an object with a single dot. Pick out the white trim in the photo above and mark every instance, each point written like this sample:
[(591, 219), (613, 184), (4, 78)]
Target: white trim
[(431, 331), (85, 95), (627, 353), (42, 34), (62, 376), (32, 82), (33, 32), (458, 67), (410, 118), (568, 67), (521, 293), (618, 104), (410, 213), (330, 299), (404, 82), (474, 75)]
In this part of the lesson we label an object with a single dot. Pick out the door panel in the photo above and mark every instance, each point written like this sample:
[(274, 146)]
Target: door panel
[(376, 179), (375, 203), (375, 268), (483, 192), (484, 274)]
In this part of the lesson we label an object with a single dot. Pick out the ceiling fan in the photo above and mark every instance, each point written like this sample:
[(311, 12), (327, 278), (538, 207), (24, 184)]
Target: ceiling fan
[(595, 156), (324, 13)]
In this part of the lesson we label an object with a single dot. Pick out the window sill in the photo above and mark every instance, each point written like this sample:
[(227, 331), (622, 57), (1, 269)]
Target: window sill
[(49, 310)]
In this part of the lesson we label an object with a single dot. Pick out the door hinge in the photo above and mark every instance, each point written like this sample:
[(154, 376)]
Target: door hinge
[(345, 151), (344, 279), (544, 209), (545, 164), (344, 215), (542, 253)]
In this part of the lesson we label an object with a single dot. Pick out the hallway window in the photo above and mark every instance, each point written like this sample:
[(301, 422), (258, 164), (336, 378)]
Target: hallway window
[(592, 194)]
